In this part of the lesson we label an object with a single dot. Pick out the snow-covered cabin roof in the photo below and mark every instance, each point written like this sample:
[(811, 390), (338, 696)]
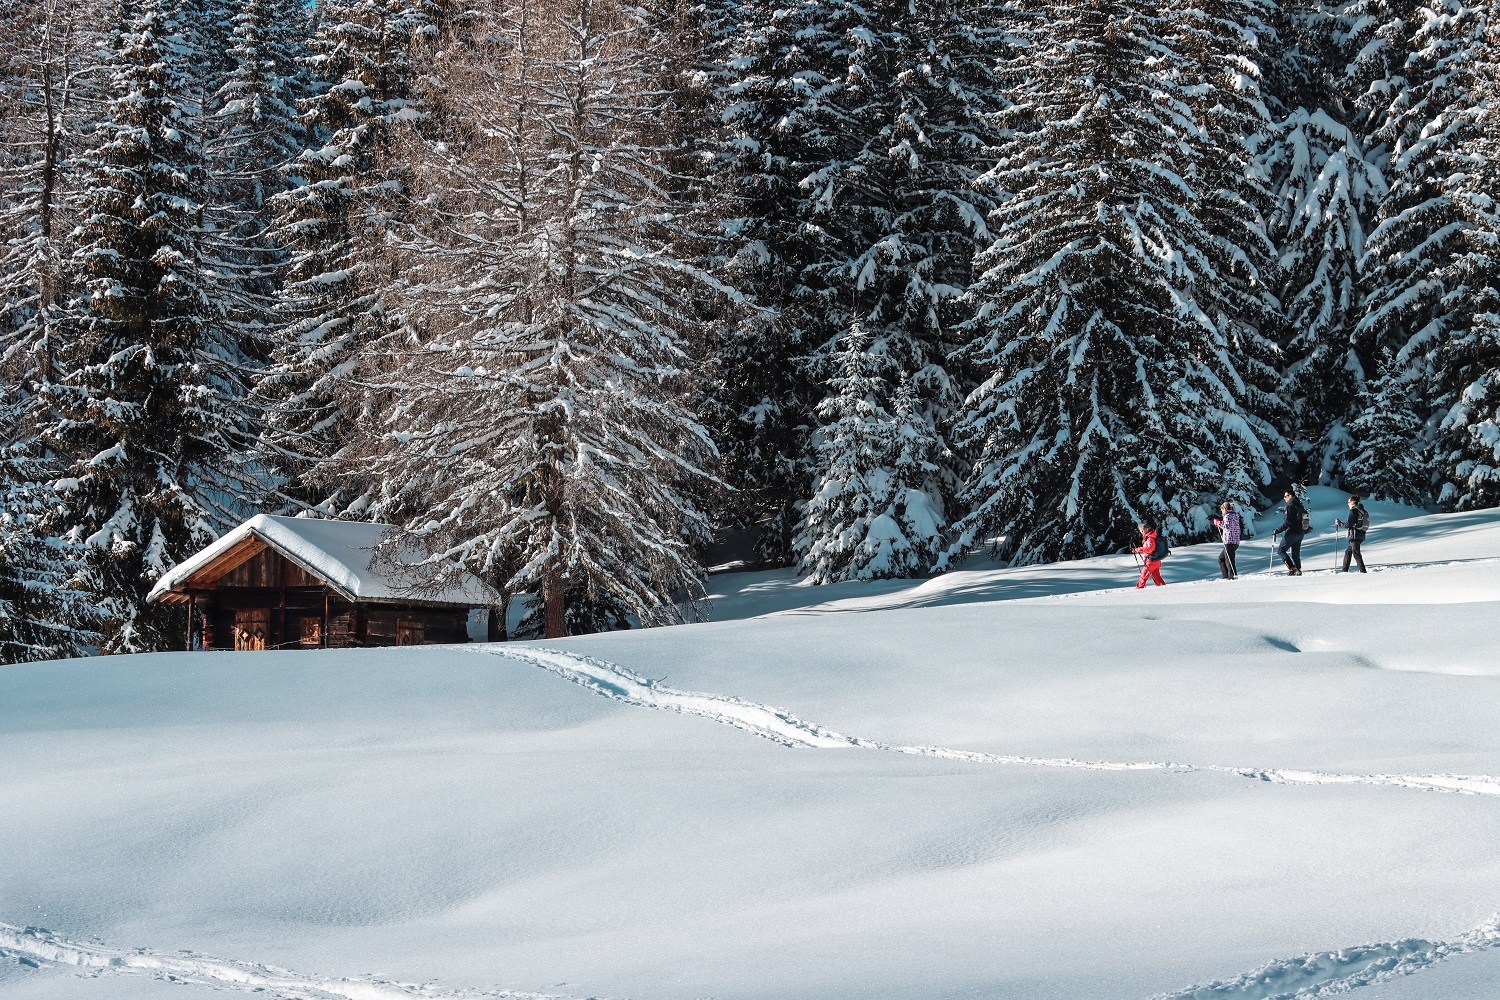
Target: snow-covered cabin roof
[(337, 552)]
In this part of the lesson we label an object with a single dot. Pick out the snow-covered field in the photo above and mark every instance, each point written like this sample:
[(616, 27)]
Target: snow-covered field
[(999, 784)]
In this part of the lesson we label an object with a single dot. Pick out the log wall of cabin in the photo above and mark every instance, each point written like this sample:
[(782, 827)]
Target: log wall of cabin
[(295, 600)]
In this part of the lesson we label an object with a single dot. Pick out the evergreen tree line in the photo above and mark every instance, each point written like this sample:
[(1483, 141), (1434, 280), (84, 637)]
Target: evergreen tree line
[(563, 290)]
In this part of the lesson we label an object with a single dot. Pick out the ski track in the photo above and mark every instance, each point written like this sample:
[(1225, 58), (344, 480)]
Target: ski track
[(780, 726), (35, 946)]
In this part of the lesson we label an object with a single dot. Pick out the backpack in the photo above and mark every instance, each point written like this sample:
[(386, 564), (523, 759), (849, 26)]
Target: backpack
[(1359, 522), (1304, 522), (1162, 549)]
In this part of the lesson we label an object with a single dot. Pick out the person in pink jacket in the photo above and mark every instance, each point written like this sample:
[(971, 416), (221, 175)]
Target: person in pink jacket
[(1230, 526), (1153, 549)]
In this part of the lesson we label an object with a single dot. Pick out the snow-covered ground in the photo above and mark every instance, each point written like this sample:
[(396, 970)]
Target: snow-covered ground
[(999, 784)]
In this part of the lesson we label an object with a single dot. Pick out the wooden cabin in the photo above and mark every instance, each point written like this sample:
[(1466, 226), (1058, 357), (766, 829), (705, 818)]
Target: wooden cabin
[(303, 583)]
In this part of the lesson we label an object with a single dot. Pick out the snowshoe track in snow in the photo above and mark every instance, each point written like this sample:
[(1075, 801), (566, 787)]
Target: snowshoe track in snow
[(35, 946), (1330, 973), (616, 682), (1306, 977)]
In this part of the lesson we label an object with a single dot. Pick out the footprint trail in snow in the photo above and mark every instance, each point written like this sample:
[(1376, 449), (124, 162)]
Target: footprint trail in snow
[(35, 946), (616, 682)]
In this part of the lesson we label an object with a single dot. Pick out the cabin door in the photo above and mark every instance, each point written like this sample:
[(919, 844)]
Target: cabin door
[(252, 626), (410, 632)]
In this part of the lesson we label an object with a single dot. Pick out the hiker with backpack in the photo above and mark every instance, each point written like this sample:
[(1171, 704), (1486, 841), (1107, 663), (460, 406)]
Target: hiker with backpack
[(1153, 549), (1297, 524), (1231, 526), (1357, 525)]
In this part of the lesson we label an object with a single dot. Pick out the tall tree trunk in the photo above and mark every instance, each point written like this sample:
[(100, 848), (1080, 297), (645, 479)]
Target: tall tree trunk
[(552, 600)]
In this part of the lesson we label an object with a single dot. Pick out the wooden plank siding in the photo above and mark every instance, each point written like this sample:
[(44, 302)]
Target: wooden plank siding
[(265, 586)]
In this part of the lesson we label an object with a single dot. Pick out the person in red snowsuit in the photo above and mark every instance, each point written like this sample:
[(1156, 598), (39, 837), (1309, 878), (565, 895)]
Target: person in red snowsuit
[(1151, 570)]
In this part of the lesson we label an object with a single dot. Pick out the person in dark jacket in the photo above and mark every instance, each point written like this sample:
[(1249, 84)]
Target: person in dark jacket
[(1357, 525), (1291, 532), (1152, 550), (1231, 527)]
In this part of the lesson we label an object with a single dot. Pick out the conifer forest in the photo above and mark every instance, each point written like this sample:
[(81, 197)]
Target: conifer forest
[(566, 290)]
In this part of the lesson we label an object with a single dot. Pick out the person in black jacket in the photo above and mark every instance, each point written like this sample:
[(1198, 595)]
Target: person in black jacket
[(1292, 530), (1357, 525)]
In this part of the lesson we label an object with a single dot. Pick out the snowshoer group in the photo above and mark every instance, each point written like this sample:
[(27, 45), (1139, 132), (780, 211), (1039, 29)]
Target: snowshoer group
[(1296, 525), (1153, 549), (1231, 526), (1357, 525)]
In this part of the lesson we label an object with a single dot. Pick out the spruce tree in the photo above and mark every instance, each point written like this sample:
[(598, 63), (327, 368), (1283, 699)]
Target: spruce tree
[(43, 612), (1324, 189), (1388, 457), (1110, 395), (251, 133), (870, 516), (1468, 363), (1223, 45), (885, 218), (143, 406), (788, 64), (1420, 117)]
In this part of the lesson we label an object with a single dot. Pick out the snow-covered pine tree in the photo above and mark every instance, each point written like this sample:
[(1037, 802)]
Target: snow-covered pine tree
[(786, 66), (1323, 190), (1468, 364), (1110, 396), (143, 403), (1387, 453), (871, 515), (538, 430), (890, 102), (1224, 44), (1420, 119), (43, 614), (331, 307)]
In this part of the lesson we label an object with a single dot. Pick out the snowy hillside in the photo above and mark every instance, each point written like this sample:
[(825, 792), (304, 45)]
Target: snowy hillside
[(1265, 788)]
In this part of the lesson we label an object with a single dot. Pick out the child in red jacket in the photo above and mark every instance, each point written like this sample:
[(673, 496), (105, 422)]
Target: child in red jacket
[(1150, 540)]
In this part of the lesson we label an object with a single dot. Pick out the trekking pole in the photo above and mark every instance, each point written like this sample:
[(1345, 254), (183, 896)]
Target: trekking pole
[(1271, 562)]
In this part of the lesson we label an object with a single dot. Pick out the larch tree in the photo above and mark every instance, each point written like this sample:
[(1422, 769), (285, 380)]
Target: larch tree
[(1109, 394), (46, 53), (538, 431), (251, 133)]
